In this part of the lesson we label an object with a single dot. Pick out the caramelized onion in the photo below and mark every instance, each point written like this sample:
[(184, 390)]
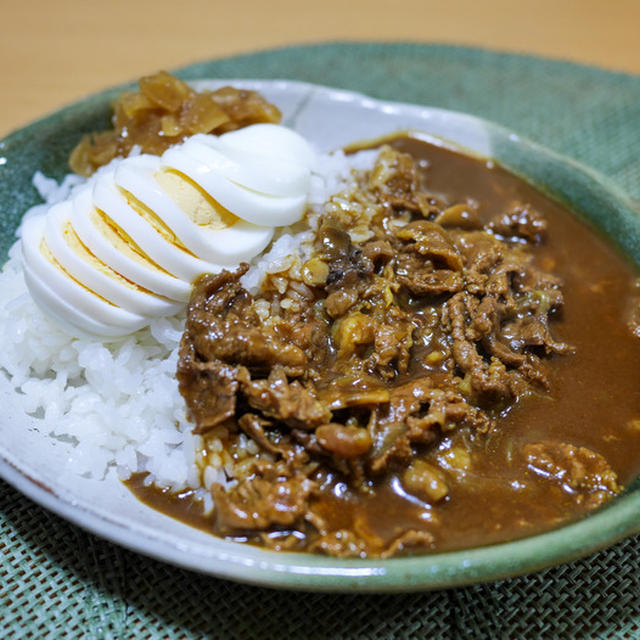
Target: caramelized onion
[(164, 112)]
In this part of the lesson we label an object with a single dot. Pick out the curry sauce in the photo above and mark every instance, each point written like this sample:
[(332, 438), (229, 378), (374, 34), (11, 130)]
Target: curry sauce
[(464, 375)]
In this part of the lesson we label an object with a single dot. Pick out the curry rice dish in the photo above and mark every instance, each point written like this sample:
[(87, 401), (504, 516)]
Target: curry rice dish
[(450, 361)]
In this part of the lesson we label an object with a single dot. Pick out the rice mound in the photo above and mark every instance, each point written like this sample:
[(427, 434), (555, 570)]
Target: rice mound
[(115, 404)]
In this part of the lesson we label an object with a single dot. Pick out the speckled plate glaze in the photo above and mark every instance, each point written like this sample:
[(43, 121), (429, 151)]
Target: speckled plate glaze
[(331, 118)]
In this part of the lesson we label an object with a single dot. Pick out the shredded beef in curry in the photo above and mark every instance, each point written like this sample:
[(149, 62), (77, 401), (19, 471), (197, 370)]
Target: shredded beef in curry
[(433, 325)]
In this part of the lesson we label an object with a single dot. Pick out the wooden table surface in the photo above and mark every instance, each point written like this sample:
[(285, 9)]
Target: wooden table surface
[(52, 53)]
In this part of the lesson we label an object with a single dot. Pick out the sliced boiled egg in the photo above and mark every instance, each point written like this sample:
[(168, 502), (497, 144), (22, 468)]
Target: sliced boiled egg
[(249, 205), (111, 245), (129, 245), (75, 258), (268, 175), (199, 224), (147, 232), (270, 141), (66, 298)]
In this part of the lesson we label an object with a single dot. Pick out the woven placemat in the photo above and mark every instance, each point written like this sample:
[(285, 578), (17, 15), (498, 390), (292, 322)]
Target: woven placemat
[(56, 581)]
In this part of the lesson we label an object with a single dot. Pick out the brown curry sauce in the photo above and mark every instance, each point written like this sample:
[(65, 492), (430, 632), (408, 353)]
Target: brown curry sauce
[(593, 399)]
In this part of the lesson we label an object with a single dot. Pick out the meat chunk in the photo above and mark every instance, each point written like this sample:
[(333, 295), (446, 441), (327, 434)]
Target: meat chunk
[(342, 543), (489, 382), (291, 403), (579, 470), (521, 221), (432, 242), (435, 283), (409, 541), (421, 279), (223, 325), (500, 318), (211, 387), (481, 252), (532, 332), (345, 543), (254, 426), (260, 503), (395, 180), (415, 414)]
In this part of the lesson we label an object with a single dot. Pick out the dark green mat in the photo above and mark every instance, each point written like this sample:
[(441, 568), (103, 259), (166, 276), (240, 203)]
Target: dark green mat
[(57, 581)]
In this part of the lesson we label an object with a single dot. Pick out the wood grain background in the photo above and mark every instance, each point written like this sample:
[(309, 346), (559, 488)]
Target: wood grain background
[(54, 52)]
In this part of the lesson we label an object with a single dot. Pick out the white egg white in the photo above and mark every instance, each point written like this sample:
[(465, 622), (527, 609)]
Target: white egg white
[(96, 275), (110, 199), (270, 140), (230, 245), (263, 174), (137, 269), (253, 207), (67, 299)]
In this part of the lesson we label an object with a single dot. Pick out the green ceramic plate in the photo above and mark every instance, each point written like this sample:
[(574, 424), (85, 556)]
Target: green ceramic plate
[(331, 118)]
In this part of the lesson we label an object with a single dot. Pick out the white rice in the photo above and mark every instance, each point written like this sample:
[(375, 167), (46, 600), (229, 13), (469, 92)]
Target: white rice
[(117, 404)]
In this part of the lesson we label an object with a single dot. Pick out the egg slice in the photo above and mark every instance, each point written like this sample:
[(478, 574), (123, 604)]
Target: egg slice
[(65, 315), (213, 234), (272, 141), (146, 230), (69, 301), (272, 176), (74, 257), (249, 205), (110, 245)]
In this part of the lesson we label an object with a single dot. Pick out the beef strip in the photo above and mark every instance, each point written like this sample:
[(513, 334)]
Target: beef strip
[(582, 472), (223, 325), (343, 543), (396, 183), (211, 386), (254, 426), (521, 221), (415, 413), (260, 503), (347, 544), (422, 279), (288, 402), (432, 242)]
